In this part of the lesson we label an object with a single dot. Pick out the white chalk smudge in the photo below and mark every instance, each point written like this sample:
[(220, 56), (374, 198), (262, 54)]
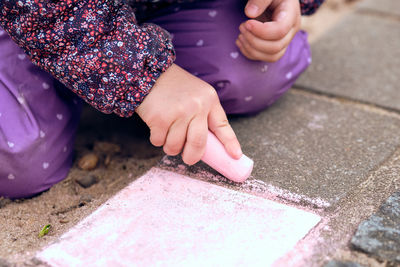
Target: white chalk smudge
[(317, 122), (250, 186)]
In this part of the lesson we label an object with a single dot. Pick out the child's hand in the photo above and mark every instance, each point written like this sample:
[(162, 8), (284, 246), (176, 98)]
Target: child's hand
[(272, 26), (179, 110)]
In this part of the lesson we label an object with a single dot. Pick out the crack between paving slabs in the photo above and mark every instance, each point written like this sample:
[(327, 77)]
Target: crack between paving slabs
[(392, 112)]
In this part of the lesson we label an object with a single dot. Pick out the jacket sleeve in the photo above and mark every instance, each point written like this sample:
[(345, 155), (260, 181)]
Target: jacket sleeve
[(94, 47), (308, 7)]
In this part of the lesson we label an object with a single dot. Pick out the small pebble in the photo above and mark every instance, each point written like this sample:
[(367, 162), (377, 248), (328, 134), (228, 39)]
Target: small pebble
[(64, 221), (88, 162), (87, 181), (85, 199)]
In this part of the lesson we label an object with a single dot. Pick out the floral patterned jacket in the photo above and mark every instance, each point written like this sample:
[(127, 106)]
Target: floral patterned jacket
[(96, 48)]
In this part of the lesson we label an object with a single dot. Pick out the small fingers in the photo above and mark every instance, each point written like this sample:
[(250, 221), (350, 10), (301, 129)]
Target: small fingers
[(253, 54), (286, 15), (273, 30), (196, 140), (245, 51), (176, 138), (256, 48), (158, 135), (266, 46)]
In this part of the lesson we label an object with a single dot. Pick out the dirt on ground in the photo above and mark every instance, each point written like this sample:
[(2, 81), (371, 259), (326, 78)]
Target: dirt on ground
[(123, 153)]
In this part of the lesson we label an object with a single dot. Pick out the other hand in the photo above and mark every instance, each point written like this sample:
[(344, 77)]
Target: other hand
[(270, 29)]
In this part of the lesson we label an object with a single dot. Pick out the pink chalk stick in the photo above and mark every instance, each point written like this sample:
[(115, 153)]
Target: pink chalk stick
[(215, 156)]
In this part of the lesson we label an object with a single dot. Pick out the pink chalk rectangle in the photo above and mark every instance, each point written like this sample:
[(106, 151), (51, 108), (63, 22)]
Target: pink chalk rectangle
[(167, 219)]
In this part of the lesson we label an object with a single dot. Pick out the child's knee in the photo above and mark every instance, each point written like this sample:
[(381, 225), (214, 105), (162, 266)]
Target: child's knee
[(33, 169), (35, 149), (252, 93), (253, 86), (244, 96), (37, 152)]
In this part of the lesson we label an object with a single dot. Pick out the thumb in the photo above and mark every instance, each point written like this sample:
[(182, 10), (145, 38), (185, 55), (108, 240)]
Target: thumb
[(255, 8)]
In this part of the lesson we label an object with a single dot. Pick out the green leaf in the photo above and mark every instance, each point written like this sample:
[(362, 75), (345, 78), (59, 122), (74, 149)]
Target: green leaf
[(44, 230)]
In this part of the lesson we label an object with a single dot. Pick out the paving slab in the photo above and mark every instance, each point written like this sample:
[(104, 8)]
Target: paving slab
[(379, 235), (310, 149), (331, 239), (166, 219), (384, 6), (358, 59)]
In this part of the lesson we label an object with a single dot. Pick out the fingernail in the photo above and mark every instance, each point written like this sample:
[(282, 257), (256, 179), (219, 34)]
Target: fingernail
[(252, 10), (281, 16)]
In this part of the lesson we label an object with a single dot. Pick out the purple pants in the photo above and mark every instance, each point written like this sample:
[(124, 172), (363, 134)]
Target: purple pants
[(39, 117)]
